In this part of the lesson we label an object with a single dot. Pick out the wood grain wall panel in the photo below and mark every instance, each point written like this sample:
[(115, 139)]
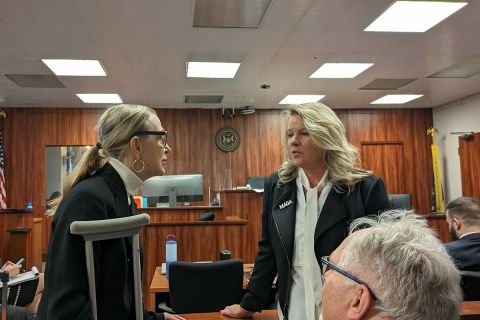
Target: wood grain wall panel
[(438, 222), (407, 126), (37, 242), (470, 170), (386, 160), (191, 135), (200, 242)]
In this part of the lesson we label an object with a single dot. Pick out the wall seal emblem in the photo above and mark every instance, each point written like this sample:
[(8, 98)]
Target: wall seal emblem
[(227, 139)]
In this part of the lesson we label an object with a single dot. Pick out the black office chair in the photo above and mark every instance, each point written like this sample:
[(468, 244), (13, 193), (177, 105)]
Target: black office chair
[(400, 201), (470, 285), (205, 287), (256, 182)]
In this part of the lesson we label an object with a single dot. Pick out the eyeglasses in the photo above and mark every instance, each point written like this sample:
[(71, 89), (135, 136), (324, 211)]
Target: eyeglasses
[(162, 133), (326, 265)]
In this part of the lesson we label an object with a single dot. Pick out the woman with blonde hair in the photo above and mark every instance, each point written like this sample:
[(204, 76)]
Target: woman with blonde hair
[(308, 205), (132, 147)]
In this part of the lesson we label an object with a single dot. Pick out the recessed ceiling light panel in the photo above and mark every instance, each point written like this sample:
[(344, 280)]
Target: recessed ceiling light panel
[(397, 98), (100, 97), (212, 69), (340, 70), (301, 98), (458, 71), (68, 67), (414, 16)]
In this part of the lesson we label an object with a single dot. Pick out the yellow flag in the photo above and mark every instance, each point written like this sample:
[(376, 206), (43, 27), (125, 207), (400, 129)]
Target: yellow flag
[(437, 192)]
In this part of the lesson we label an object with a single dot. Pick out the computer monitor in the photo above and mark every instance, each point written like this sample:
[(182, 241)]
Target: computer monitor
[(400, 201), (256, 182), (170, 189)]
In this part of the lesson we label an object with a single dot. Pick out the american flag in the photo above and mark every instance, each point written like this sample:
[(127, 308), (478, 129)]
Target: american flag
[(3, 193)]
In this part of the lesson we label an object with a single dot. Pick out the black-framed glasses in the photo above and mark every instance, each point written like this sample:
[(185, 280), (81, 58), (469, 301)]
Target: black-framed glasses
[(162, 133), (326, 265)]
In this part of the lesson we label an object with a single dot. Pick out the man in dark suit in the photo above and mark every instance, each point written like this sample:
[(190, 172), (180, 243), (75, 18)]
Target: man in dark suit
[(463, 218)]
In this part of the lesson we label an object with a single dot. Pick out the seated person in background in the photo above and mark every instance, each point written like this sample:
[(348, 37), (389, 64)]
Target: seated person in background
[(25, 305), (463, 219), (396, 269)]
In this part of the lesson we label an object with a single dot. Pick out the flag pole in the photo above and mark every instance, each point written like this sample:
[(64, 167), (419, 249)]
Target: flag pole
[(437, 180)]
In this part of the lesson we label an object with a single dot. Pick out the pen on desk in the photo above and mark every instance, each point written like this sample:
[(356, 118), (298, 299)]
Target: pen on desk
[(20, 261)]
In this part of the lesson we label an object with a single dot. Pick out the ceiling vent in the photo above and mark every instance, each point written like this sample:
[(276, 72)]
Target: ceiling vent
[(203, 99), (229, 13), (386, 84), (35, 80), (247, 110)]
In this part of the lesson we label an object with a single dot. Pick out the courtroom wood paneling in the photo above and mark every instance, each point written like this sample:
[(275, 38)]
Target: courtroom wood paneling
[(37, 242), (195, 242), (27, 131), (438, 223), (469, 151), (14, 244), (386, 160), (407, 126), (191, 135)]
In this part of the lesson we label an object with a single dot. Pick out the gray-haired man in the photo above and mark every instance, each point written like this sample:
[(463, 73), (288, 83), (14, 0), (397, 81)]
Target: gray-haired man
[(395, 269)]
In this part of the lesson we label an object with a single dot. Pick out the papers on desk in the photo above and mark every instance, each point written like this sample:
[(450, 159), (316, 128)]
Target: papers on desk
[(23, 277)]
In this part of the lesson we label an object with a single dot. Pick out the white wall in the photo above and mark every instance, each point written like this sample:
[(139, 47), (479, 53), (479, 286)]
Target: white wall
[(461, 115)]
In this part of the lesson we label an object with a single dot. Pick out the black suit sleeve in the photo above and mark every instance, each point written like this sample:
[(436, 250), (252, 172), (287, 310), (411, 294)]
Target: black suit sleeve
[(265, 268), (374, 196)]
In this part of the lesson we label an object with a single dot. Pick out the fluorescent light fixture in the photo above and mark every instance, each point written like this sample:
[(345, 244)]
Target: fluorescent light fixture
[(340, 70), (397, 98), (301, 98), (100, 97), (67, 67), (212, 69), (414, 16)]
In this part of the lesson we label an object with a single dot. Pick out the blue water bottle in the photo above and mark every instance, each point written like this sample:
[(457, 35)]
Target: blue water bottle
[(171, 251)]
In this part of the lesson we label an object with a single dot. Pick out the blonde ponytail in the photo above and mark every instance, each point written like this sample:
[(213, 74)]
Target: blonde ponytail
[(114, 129)]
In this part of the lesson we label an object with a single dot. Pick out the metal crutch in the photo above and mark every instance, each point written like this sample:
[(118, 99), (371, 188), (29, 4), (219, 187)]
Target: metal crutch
[(4, 277), (98, 230)]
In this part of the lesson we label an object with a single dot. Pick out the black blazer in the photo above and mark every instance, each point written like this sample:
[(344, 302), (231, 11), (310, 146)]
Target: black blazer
[(466, 252), (275, 253), (101, 196)]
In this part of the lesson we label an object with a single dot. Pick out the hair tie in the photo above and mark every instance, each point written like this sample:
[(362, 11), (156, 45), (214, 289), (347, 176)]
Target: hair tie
[(99, 146)]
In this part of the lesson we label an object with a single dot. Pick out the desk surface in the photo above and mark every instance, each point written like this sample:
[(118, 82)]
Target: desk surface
[(470, 310), (160, 282), (265, 315)]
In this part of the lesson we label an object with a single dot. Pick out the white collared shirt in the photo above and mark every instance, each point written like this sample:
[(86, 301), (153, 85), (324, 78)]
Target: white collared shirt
[(297, 306), (129, 178)]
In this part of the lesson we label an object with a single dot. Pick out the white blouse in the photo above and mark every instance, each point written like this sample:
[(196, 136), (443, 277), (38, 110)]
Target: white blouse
[(306, 292)]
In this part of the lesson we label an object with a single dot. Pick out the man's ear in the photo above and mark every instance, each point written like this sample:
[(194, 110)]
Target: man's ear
[(360, 303), (457, 224)]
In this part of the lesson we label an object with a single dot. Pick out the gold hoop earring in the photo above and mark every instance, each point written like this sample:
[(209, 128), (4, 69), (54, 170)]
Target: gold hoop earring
[(142, 164)]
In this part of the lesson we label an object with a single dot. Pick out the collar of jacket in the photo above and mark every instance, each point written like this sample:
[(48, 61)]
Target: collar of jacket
[(285, 208), (116, 185)]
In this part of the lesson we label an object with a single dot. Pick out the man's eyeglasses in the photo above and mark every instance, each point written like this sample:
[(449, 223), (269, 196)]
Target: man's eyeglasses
[(162, 133), (326, 265)]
